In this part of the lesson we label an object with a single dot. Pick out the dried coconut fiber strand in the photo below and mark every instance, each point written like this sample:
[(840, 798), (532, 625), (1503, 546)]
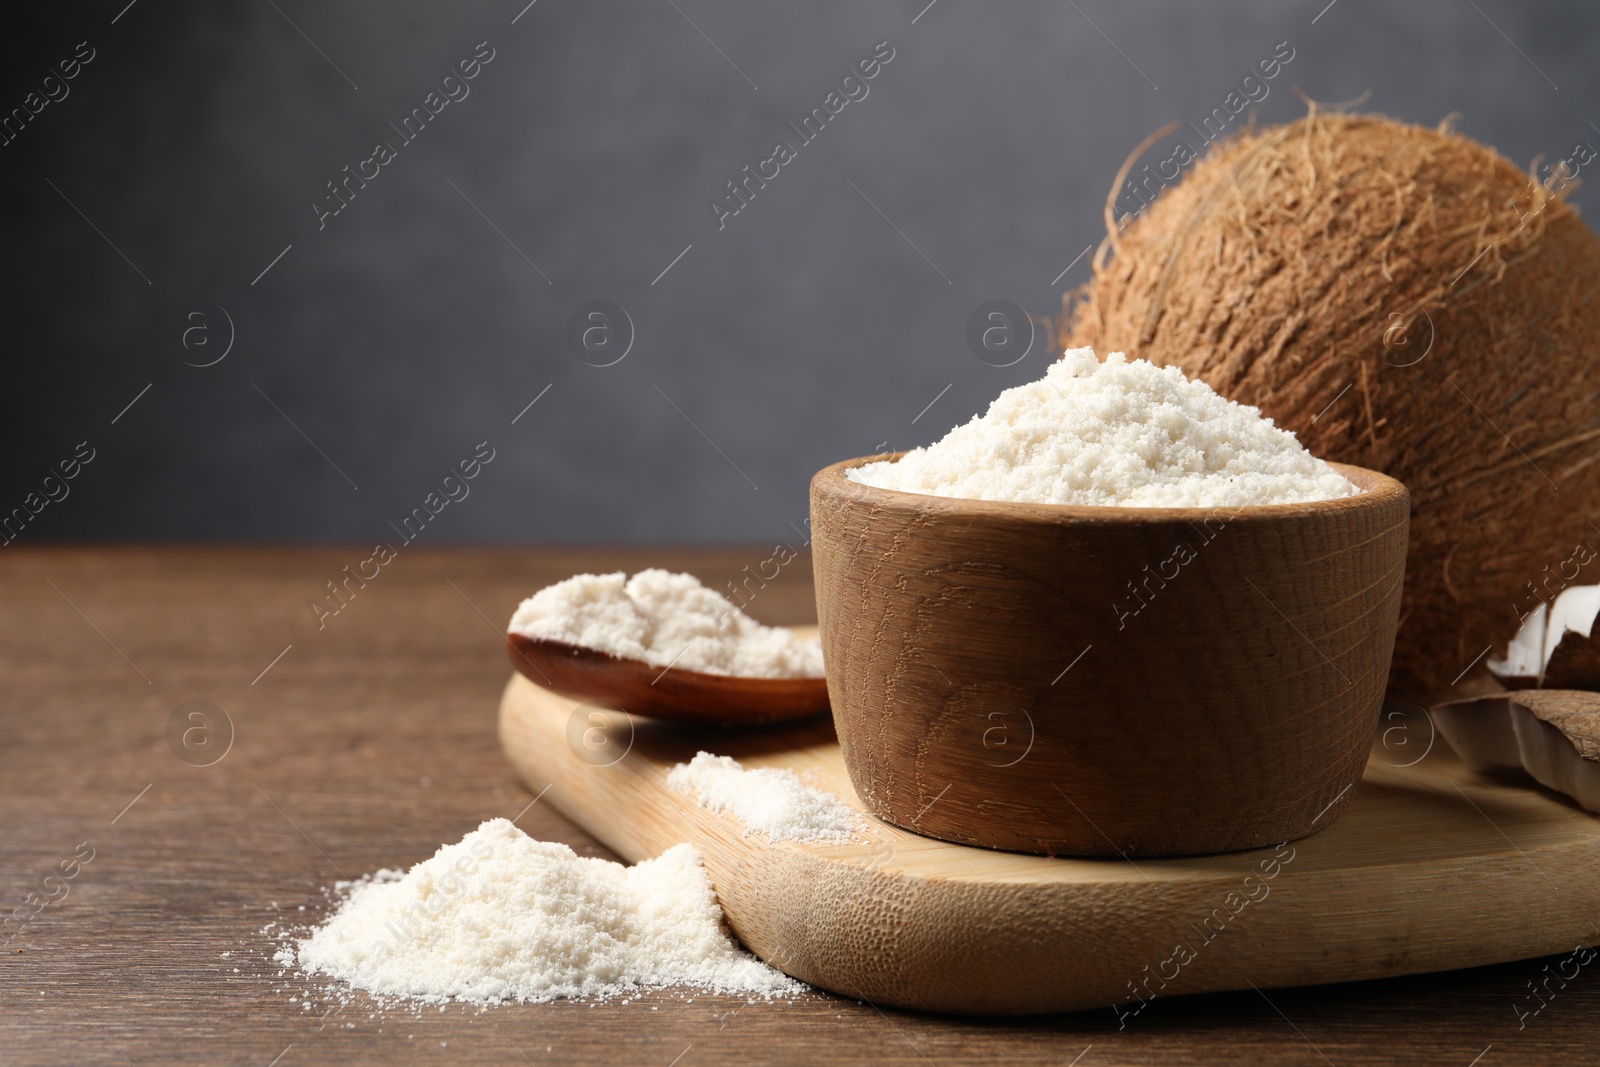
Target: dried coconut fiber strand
[(1404, 299)]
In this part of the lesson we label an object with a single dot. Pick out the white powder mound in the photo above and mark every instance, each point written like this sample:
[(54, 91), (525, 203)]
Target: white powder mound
[(501, 916), (665, 619), (768, 800), (1117, 433)]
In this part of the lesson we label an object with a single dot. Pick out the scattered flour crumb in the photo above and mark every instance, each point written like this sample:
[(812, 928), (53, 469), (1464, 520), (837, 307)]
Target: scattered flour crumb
[(768, 800), (1119, 433), (665, 619), (500, 916)]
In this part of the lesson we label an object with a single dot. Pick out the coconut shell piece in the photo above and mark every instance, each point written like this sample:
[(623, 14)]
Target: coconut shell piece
[(1480, 731), (1575, 663), (1404, 299), (1557, 647), (1553, 735)]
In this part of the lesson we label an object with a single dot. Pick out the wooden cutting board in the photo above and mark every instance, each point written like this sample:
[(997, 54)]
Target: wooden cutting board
[(1430, 868)]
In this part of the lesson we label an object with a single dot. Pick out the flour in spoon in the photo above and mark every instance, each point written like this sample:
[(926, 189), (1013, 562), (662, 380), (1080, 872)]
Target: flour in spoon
[(665, 619)]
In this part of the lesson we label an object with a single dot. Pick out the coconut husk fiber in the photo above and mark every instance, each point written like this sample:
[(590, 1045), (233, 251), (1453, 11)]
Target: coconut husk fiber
[(1404, 299)]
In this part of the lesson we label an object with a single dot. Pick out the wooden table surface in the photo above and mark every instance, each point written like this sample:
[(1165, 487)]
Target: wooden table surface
[(371, 742)]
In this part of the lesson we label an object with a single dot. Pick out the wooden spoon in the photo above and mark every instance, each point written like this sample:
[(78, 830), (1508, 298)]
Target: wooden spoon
[(641, 688)]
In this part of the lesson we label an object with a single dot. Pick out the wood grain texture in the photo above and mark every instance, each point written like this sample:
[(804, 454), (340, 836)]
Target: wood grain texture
[(376, 736), (1106, 681), (1394, 886), (663, 692)]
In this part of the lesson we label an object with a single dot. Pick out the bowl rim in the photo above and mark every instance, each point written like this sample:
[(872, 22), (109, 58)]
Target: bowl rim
[(1378, 490)]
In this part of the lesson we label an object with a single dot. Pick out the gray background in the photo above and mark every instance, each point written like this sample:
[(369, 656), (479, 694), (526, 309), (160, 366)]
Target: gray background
[(409, 329)]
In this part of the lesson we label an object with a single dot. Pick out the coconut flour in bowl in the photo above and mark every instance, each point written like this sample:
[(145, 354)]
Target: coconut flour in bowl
[(1118, 433)]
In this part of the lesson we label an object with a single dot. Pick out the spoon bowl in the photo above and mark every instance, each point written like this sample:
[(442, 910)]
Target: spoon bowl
[(673, 693)]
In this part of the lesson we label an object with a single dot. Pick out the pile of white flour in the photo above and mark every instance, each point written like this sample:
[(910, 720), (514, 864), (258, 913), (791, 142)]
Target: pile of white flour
[(501, 916), (768, 800), (1117, 433), (665, 619)]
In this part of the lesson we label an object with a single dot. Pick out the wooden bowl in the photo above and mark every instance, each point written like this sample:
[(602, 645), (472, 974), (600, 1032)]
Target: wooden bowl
[(641, 688), (1106, 681)]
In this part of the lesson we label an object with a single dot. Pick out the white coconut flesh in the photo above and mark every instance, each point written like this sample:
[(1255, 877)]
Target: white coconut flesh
[(1529, 652)]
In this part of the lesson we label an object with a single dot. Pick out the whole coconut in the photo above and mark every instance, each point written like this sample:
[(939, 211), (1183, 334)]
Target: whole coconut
[(1403, 299)]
